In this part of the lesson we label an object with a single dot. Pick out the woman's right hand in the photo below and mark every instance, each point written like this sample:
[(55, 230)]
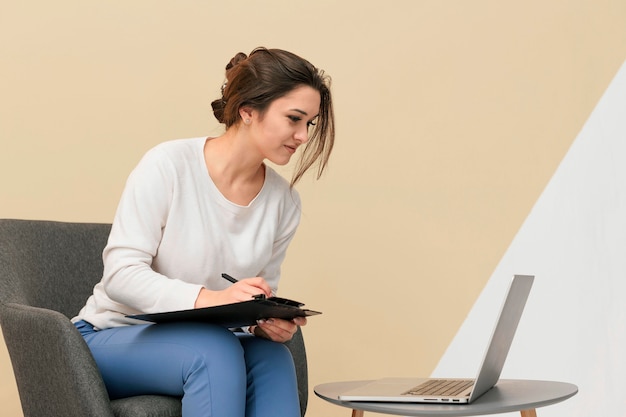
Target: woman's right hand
[(242, 290)]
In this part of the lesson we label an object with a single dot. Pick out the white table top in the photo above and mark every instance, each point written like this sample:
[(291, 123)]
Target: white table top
[(508, 395)]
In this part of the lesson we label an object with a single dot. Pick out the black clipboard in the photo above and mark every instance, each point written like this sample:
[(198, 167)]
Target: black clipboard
[(245, 313)]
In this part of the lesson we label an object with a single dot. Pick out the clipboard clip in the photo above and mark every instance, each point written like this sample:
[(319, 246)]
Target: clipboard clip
[(278, 300)]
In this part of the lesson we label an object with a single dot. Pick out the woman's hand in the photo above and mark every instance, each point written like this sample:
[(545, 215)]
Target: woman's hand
[(242, 290), (278, 330)]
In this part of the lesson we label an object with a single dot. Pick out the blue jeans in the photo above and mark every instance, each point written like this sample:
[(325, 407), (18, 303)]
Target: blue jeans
[(216, 372)]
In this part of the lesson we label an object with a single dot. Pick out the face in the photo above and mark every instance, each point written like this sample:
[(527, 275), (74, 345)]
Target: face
[(285, 124)]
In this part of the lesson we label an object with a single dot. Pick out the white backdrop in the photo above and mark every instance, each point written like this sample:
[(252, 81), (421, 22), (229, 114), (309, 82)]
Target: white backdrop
[(574, 242)]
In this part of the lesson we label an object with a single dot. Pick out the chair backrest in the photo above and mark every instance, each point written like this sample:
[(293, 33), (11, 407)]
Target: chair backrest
[(52, 265), (47, 271)]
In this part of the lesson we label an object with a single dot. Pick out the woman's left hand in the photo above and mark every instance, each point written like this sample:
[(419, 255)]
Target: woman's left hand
[(278, 330)]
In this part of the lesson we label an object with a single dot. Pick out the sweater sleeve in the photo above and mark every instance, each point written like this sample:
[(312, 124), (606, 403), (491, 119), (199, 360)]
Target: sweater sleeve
[(142, 213)]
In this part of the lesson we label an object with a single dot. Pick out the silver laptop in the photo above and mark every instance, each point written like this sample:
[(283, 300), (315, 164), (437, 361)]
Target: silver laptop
[(456, 390)]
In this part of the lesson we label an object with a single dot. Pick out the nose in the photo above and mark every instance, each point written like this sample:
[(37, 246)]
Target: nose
[(302, 134)]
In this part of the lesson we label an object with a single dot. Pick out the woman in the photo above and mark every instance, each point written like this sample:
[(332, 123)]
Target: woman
[(196, 208)]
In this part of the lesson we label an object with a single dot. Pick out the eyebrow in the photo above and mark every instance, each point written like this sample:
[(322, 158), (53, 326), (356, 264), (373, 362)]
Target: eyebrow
[(302, 112)]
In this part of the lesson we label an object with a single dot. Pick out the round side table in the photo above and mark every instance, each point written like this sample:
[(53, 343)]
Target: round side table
[(508, 395)]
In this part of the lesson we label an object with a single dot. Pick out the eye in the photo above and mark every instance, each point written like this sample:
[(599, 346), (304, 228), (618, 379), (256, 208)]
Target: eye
[(294, 119), (311, 123)]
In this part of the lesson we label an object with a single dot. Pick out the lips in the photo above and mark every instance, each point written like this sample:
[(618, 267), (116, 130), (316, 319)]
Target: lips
[(291, 149)]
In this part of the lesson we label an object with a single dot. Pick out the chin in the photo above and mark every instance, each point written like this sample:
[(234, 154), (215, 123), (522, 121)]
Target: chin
[(280, 161)]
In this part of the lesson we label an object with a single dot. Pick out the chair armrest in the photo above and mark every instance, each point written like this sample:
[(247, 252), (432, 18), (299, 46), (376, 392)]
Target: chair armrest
[(298, 352), (54, 370)]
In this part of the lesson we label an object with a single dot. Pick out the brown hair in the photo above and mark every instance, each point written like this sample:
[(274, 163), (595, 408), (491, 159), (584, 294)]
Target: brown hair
[(257, 80)]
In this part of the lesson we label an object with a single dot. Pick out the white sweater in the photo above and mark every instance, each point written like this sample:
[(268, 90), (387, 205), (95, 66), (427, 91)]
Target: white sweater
[(174, 232)]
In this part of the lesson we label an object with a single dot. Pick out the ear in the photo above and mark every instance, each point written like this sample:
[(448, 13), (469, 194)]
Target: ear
[(245, 113)]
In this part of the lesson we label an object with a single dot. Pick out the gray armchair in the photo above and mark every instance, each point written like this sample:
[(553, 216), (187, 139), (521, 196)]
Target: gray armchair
[(47, 271)]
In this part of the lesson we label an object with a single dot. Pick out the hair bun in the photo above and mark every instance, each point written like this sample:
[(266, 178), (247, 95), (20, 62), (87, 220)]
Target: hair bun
[(218, 109), (219, 104), (236, 60)]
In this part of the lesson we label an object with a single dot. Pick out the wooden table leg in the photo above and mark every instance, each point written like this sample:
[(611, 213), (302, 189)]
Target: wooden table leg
[(359, 413), (529, 413)]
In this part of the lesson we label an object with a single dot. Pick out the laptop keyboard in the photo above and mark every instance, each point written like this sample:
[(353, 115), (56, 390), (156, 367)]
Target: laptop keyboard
[(445, 387)]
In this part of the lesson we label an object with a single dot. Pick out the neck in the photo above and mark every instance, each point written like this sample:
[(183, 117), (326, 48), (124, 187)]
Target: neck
[(234, 167)]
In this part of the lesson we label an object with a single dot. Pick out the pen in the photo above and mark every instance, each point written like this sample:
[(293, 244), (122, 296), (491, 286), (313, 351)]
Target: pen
[(229, 278), (234, 281)]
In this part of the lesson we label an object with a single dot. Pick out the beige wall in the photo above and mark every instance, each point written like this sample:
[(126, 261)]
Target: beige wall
[(452, 116)]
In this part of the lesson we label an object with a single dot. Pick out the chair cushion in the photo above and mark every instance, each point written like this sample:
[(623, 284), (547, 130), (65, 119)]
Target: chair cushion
[(147, 406)]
